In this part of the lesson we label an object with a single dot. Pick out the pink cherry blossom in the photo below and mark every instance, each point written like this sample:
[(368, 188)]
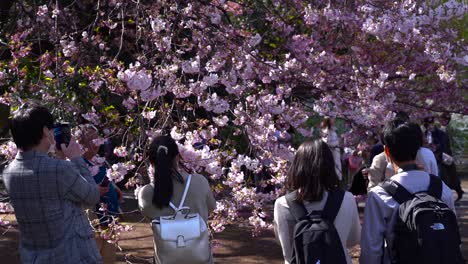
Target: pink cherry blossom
[(221, 121), (121, 151), (99, 141), (6, 208), (149, 114), (129, 103), (92, 117), (140, 80), (8, 150), (118, 171)]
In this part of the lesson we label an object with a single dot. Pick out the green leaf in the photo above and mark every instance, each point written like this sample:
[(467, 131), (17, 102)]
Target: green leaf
[(109, 108)]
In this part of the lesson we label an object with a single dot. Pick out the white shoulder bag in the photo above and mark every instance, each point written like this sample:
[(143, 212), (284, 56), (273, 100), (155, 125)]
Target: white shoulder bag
[(182, 237)]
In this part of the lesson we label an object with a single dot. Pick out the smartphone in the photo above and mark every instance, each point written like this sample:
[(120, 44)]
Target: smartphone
[(62, 134)]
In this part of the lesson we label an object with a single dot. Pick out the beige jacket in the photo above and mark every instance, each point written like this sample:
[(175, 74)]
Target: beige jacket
[(199, 198), (379, 171)]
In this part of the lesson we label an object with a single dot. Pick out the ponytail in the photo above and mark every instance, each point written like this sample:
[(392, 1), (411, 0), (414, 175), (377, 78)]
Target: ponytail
[(162, 155)]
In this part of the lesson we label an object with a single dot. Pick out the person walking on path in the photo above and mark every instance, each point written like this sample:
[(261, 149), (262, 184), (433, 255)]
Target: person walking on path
[(47, 194), (313, 177)]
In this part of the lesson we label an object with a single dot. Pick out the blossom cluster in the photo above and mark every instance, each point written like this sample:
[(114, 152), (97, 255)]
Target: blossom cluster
[(117, 172), (8, 150), (112, 230)]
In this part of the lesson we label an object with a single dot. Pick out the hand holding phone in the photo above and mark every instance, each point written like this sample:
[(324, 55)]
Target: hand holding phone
[(73, 150), (62, 134)]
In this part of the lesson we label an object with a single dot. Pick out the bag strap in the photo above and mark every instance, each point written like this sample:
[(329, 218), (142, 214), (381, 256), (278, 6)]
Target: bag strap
[(435, 187), (297, 209), (184, 195), (333, 205), (397, 191)]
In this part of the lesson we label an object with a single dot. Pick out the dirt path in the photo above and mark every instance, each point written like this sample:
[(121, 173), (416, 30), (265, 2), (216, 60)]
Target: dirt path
[(234, 245)]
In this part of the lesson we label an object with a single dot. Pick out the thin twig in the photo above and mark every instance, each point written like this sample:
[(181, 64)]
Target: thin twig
[(122, 34)]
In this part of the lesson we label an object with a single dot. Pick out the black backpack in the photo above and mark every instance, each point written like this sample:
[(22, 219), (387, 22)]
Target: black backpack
[(426, 230), (316, 240)]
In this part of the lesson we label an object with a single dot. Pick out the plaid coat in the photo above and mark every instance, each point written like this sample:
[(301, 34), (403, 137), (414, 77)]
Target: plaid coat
[(47, 195)]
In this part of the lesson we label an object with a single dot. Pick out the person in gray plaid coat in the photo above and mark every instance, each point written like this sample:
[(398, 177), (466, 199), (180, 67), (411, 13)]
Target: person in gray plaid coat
[(48, 194)]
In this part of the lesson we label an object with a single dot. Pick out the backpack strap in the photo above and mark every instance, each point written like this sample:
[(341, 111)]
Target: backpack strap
[(396, 190), (173, 206), (435, 187), (333, 205), (297, 209), (187, 185)]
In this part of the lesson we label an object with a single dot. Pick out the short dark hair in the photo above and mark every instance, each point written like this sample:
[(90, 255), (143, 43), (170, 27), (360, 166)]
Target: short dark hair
[(403, 140), (312, 171), (402, 115), (27, 125), (419, 132)]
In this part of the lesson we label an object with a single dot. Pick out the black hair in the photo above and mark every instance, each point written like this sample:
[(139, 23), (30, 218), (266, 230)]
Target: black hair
[(27, 125), (428, 120), (162, 155), (4, 113), (402, 140), (312, 171), (402, 115), (419, 132)]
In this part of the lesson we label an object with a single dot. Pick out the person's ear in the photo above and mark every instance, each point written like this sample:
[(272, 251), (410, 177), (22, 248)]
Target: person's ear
[(388, 154), (46, 133)]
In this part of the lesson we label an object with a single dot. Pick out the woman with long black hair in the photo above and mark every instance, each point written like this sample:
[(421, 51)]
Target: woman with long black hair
[(311, 180), (171, 190), (330, 137)]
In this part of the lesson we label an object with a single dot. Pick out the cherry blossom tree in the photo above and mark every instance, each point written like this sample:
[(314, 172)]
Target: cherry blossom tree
[(232, 81)]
